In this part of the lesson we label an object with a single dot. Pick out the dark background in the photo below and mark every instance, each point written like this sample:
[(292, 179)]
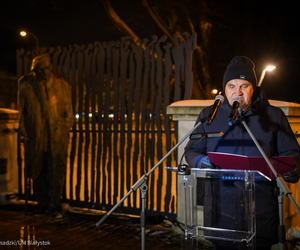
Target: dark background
[(266, 31)]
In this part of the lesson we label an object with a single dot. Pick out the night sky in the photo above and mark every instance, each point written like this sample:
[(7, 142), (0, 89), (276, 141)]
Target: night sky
[(266, 31)]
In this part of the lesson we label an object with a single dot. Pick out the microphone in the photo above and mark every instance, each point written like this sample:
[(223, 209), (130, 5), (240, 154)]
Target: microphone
[(213, 111), (234, 111)]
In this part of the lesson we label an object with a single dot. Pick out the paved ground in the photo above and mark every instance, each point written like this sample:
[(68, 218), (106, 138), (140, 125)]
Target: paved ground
[(21, 229)]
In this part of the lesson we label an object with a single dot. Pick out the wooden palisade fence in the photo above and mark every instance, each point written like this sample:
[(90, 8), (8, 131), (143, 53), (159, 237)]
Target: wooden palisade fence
[(120, 94)]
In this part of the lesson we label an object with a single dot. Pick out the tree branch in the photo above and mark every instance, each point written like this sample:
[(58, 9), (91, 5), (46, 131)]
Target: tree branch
[(158, 20), (121, 24)]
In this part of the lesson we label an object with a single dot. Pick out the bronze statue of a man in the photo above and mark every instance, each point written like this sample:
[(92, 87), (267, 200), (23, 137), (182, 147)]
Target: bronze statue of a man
[(46, 116)]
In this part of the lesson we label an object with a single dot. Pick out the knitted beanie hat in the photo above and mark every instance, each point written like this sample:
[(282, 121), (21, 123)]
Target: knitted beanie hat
[(240, 67)]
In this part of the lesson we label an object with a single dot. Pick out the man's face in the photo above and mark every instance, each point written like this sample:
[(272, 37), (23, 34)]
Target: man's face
[(241, 89)]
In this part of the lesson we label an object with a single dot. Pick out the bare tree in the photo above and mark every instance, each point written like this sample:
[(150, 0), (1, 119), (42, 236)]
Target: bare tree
[(174, 19)]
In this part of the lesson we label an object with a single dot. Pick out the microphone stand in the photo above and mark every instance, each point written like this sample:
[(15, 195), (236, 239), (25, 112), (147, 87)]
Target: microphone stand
[(142, 185), (283, 188)]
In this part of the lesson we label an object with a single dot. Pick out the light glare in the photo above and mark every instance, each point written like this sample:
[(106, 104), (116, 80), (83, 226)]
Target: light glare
[(270, 68), (23, 33), (214, 91)]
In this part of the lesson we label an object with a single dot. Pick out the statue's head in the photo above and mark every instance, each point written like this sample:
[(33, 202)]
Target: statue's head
[(41, 65)]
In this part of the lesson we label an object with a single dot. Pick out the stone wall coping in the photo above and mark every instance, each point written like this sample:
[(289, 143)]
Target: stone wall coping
[(194, 106)]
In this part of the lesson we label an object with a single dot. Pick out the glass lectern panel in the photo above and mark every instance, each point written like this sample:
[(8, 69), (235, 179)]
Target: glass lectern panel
[(220, 204)]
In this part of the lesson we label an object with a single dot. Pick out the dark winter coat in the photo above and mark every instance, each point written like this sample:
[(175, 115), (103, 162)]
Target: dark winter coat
[(268, 124), (273, 132)]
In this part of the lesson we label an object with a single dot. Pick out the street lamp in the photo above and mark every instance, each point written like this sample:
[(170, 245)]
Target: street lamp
[(268, 68), (24, 33), (214, 91)]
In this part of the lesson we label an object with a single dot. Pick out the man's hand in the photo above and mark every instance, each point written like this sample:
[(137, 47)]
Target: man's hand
[(205, 162)]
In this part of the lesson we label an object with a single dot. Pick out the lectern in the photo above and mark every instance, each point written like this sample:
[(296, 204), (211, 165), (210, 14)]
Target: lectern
[(220, 205)]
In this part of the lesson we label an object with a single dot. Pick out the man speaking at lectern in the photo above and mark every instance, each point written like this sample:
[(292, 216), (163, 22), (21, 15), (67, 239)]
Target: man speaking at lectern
[(269, 126)]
